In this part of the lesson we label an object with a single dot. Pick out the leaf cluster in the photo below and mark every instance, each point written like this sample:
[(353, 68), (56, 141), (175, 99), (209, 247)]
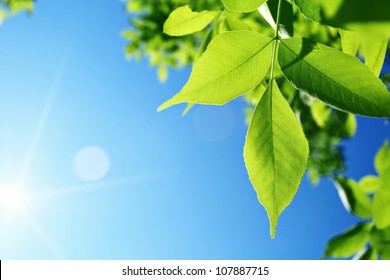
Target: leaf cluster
[(10, 8), (368, 199)]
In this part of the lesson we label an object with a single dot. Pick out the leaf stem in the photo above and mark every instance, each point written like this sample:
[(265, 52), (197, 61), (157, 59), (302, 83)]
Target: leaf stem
[(275, 43)]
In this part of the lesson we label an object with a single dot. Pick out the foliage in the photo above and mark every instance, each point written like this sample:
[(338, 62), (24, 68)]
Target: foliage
[(368, 199), (238, 61), (291, 73), (9, 8)]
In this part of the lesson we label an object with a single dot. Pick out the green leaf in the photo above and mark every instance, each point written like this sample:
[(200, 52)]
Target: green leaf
[(320, 113), (275, 153), (386, 78), (234, 63), (335, 78), (187, 109), (350, 125), (369, 184), (353, 198), (234, 23), (366, 15), (367, 254), (243, 6), (184, 21), (380, 240), (349, 242), (350, 42), (162, 73), (382, 158), (381, 202), (374, 51), (286, 19)]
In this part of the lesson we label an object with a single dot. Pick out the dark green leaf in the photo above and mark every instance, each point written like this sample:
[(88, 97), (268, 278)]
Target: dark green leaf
[(335, 78)]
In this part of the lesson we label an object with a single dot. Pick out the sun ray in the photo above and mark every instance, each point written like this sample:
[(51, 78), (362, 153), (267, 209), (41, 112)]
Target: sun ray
[(92, 187), (37, 134)]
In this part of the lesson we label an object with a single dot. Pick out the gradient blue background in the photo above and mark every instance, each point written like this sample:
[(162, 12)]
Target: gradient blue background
[(177, 187)]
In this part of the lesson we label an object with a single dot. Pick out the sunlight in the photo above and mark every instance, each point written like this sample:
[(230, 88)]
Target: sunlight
[(13, 199)]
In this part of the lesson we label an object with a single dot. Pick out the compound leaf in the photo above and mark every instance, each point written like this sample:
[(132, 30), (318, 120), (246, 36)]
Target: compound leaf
[(333, 77), (275, 153), (234, 63), (184, 21)]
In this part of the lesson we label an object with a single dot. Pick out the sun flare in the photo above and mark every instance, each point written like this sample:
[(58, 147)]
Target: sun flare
[(13, 199)]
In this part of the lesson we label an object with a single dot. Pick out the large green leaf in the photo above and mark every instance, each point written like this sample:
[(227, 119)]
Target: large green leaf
[(382, 158), (276, 153), (234, 63), (349, 242), (335, 78), (184, 21), (243, 6), (380, 240), (367, 15), (353, 197), (381, 202)]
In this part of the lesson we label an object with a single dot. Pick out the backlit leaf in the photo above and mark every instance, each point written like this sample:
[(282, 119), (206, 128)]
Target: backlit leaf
[(320, 113), (349, 242), (243, 6), (374, 51), (369, 183), (353, 197), (335, 78), (350, 42), (184, 21), (234, 63), (275, 153), (382, 158), (367, 254)]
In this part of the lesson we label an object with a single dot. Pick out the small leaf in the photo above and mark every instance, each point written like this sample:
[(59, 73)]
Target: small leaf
[(349, 242), (381, 202), (275, 153), (374, 51), (162, 73), (243, 6), (367, 254), (184, 21), (380, 240), (382, 158), (353, 198), (350, 42), (320, 113), (350, 125), (234, 63), (335, 78), (369, 184)]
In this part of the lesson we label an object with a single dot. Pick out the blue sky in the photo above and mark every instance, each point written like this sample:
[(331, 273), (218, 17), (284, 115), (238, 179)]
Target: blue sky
[(175, 188)]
